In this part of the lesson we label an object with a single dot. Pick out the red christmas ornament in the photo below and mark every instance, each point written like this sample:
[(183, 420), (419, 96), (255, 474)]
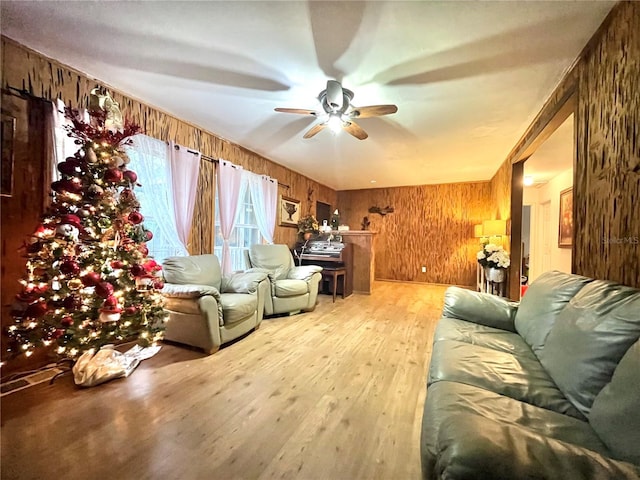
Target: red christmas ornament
[(72, 303), (143, 249), (130, 176), (113, 175), (66, 321), (58, 333), (127, 195), (158, 285), (66, 185), (104, 289), (72, 166), (91, 279), (111, 305), (138, 270), (71, 219), (135, 218), (116, 264), (148, 234), (151, 266), (131, 310), (70, 267), (36, 310)]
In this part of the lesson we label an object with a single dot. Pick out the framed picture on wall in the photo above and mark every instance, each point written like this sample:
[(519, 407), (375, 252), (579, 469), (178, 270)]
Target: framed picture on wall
[(289, 211), (565, 233)]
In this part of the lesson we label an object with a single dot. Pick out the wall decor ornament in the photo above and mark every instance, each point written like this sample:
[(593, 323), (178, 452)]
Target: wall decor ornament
[(289, 211), (381, 211), (565, 222)]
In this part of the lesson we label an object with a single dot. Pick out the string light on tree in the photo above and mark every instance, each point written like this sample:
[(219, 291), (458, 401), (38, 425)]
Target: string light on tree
[(87, 256)]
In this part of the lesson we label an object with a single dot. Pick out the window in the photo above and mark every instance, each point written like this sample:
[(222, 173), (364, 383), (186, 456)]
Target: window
[(149, 159), (244, 234)]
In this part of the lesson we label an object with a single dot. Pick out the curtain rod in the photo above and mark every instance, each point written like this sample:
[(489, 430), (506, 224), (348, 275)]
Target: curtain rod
[(215, 160)]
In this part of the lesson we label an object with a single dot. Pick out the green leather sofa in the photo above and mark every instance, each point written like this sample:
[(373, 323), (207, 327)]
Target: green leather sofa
[(545, 389)]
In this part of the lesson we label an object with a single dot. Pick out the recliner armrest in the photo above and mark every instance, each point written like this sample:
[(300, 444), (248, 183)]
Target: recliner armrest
[(243, 282), (304, 272), (174, 290), (481, 308)]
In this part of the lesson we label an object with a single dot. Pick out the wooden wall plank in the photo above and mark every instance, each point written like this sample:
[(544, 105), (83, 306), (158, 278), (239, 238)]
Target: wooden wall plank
[(607, 169), (432, 226)]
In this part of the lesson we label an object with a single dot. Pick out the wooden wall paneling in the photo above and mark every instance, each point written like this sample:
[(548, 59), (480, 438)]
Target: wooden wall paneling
[(201, 236), (22, 210), (607, 165), (515, 237), (432, 226)]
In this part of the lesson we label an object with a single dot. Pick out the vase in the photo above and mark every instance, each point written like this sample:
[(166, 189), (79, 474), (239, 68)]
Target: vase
[(494, 274)]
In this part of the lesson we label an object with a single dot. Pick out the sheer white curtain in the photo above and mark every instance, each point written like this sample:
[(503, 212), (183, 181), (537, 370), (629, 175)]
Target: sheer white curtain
[(264, 195), (65, 146), (229, 190), (150, 161), (185, 166)]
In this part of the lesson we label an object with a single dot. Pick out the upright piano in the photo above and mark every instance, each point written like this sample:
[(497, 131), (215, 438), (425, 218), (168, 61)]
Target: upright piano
[(328, 254)]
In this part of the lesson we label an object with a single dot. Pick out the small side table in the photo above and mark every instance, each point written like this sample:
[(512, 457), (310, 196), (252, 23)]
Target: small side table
[(332, 275)]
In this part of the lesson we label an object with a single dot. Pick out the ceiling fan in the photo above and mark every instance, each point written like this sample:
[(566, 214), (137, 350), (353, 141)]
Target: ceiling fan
[(338, 112)]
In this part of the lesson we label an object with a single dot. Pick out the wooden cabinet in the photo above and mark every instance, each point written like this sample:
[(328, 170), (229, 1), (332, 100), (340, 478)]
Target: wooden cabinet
[(362, 242)]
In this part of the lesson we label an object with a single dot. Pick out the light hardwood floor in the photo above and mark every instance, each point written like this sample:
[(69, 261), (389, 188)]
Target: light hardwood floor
[(332, 394)]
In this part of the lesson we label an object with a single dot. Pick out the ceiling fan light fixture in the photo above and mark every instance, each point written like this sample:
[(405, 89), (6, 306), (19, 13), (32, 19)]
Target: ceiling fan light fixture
[(335, 123)]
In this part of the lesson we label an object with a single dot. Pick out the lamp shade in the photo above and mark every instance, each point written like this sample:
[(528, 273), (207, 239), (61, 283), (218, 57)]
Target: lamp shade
[(494, 227), (477, 231)]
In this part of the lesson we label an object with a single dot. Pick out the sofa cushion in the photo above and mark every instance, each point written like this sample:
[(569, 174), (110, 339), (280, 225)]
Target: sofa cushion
[(470, 446), (481, 407), (615, 414), (242, 282), (469, 332), (237, 306), (545, 299), (589, 338), (291, 288), (519, 377)]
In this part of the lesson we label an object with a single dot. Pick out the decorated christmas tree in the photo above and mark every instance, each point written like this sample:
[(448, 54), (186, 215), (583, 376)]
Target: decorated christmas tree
[(89, 279)]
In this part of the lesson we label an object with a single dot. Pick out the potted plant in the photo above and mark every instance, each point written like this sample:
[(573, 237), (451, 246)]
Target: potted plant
[(308, 226), (495, 261)]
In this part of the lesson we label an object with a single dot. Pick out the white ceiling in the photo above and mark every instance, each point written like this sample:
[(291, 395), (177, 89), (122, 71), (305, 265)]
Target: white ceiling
[(554, 156), (467, 77)]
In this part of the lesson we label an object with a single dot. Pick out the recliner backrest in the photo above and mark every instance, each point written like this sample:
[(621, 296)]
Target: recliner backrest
[(275, 258), (193, 270)]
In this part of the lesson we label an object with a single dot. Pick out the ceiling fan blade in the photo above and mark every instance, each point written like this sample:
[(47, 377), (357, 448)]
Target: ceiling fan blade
[(355, 130), (372, 111), (296, 110), (314, 130)]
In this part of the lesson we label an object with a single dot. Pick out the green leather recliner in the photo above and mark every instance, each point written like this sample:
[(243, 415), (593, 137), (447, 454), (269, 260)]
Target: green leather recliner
[(206, 309), (545, 389), (293, 288)]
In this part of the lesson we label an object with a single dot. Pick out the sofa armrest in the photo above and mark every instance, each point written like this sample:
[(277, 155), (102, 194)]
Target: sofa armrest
[(174, 290), (243, 282), (304, 272), (481, 308)]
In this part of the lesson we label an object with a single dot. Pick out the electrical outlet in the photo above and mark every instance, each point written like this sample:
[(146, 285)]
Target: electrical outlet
[(424, 269)]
